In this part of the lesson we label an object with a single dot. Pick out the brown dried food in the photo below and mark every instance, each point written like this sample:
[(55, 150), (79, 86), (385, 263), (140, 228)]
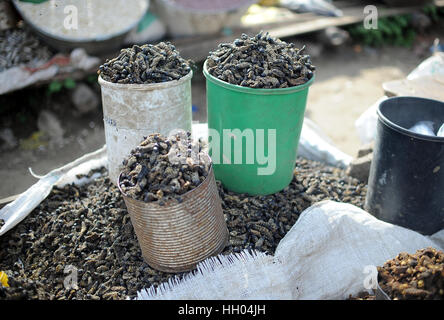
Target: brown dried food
[(363, 295), (91, 173), (146, 64), (88, 227), (19, 46), (418, 276), (161, 168), (260, 62), (23, 289)]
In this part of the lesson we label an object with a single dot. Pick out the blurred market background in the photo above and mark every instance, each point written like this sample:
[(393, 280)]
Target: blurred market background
[(50, 105)]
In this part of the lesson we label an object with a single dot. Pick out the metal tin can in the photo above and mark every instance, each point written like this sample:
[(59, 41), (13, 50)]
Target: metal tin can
[(176, 236)]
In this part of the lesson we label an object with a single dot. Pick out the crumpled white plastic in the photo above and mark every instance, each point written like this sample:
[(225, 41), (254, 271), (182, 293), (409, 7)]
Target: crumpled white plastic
[(423, 127), (440, 132), (366, 123), (18, 77), (315, 145), (430, 66), (14, 212)]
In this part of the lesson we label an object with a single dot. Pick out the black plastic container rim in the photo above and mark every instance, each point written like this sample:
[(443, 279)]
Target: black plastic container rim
[(405, 131)]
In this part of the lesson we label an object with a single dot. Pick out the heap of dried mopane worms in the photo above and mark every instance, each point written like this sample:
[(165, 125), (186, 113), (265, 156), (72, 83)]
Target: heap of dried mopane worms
[(146, 64), (260, 62), (415, 276), (20, 47), (163, 168), (88, 227)]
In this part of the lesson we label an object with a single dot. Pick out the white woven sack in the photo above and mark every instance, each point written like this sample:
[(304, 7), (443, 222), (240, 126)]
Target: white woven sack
[(325, 255)]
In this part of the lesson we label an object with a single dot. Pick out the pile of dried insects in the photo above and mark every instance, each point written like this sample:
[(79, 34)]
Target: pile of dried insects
[(81, 233), (19, 46), (260, 62), (23, 288), (414, 276), (363, 295), (162, 168), (146, 64), (85, 231), (260, 222)]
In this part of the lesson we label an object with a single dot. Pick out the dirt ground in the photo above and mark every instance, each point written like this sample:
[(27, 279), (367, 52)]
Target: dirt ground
[(347, 82)]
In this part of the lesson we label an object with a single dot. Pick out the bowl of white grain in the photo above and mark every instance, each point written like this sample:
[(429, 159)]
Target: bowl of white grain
[(98, 26)]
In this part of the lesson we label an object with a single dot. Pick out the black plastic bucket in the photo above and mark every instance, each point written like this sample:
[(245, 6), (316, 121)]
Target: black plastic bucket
[(406, 182)]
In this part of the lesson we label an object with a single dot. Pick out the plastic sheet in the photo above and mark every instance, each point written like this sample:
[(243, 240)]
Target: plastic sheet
[(366, 123), (16, 211), (315, 145)]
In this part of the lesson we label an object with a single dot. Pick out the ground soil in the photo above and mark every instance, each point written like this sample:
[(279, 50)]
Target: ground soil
[(348, 80)]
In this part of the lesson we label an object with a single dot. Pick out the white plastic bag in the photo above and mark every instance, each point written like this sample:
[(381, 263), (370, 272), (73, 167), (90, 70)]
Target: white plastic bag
[(315, 145), (430, 66), (423, 127), (366, 123)]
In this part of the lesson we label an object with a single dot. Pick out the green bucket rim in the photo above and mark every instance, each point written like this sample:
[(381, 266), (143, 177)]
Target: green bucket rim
[(260, 91)]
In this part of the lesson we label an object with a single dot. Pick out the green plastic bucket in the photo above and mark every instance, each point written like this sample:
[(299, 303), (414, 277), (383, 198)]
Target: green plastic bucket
[(254, 134)]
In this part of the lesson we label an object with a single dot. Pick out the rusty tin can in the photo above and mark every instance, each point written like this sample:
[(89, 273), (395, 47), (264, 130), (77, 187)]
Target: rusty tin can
[(176, 236)]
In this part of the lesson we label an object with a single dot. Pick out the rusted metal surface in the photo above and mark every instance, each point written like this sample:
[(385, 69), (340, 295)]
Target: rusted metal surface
[(176, 236)]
